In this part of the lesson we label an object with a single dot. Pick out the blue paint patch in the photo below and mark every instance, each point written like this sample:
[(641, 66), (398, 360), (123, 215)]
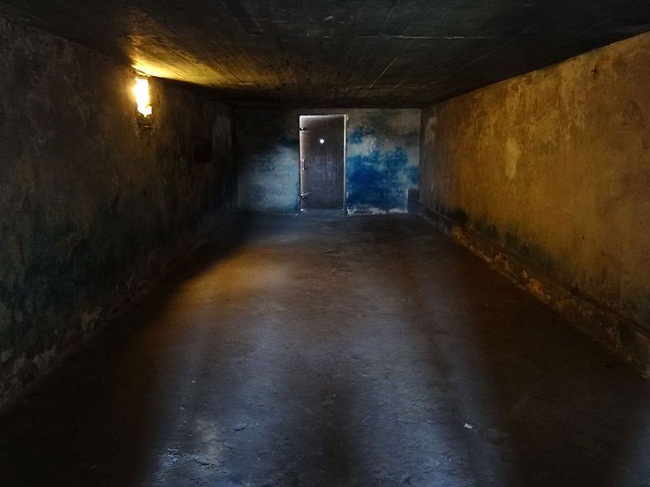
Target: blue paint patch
[(266, 165), (357, 135), (380, 180)]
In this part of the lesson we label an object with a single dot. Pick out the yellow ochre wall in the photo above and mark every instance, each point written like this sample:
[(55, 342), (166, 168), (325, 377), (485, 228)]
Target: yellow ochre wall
[(547, 175)]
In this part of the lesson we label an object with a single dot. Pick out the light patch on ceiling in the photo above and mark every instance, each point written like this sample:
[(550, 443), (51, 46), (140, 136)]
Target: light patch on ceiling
[(142, 66)]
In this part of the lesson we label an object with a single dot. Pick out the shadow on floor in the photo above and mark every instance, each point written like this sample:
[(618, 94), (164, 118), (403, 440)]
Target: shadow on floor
[(333, 352)]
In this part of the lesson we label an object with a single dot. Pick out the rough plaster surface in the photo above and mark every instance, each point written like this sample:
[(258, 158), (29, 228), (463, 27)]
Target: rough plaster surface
[(93, 208), (381, 162), (554, 166)]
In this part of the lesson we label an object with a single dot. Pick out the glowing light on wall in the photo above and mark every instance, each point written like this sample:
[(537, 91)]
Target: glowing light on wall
[(142, 96)]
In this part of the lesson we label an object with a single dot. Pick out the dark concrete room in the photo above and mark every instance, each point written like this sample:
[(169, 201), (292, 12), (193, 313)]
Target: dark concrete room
[(323, 243)]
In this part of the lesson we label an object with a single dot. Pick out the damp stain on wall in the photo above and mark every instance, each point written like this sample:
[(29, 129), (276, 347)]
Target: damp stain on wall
[(382, 160), (378, 180)]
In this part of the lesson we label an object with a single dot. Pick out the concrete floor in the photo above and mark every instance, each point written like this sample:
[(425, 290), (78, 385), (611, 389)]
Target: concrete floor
[(368, 351)]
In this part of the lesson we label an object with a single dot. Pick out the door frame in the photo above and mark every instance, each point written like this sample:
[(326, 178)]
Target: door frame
[(301, 160)]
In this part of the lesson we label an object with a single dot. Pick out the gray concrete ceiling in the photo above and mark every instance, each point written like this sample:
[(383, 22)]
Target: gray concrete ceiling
[(343, 53)]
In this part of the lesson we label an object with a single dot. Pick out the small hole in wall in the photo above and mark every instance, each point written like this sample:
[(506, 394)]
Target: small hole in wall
[(595, 72)]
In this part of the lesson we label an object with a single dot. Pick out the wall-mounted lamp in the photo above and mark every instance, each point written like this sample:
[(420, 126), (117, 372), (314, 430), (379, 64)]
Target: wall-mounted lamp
[(144, 110)]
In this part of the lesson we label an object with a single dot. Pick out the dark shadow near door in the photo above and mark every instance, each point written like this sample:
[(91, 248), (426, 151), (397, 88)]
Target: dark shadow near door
[(322, 163)]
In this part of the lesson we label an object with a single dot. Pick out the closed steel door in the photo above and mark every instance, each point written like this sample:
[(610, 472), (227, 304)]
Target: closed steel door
[(322, 162)]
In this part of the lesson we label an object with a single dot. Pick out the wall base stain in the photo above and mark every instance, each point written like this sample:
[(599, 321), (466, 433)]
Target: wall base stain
[(623, 337), (551, 170)]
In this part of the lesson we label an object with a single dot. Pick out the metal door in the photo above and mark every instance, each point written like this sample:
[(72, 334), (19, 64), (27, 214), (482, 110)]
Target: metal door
[(322, 162)]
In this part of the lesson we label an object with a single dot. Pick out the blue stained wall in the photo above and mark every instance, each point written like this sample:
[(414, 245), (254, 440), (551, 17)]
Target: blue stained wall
[(381, 165), (382, 159), (267, 151)]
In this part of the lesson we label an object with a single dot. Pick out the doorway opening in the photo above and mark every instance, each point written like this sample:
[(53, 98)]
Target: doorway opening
[(322, 163)]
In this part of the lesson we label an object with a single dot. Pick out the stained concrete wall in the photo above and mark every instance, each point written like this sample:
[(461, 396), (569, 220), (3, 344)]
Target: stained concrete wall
[(267, 150), (548, 175), (93, 208), (381, 163)]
